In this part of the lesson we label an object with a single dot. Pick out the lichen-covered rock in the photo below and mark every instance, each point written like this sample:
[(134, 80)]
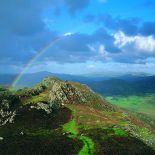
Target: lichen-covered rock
[(6, 117), (42, 106), (66, 92), (8, 104)]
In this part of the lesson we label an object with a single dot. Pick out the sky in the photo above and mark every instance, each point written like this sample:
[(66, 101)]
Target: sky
[(95, 36)]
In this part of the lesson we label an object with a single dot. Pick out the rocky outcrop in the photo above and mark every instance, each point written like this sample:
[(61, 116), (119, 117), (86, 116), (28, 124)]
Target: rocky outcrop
[(64, 93), (53, 93), (42, 106), (6, 115), (57, 93), (8, 104), (67, 92)]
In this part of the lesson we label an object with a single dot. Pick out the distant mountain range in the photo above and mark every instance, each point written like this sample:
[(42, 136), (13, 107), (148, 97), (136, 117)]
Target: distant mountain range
[(110, 84), (33, 78), (137, 86)]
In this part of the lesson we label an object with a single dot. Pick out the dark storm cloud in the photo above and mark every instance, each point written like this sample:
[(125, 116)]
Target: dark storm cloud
[(23, 17), (74, 5), (148, 28), (23, 33), (132, 57), (75, 48), (22, 30), (102, 36), (89, 19), (130, 26), (20, 26)]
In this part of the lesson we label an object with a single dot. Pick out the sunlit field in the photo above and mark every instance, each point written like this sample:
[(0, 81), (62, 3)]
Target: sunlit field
[(141, 104)]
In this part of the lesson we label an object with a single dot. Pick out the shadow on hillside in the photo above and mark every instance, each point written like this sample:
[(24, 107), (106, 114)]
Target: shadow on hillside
[(109, 144), (35, 132), (33, 118)]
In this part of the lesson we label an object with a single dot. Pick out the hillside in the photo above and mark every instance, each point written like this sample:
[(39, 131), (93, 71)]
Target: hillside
[(124, 87), (57, 116), (142, 105)]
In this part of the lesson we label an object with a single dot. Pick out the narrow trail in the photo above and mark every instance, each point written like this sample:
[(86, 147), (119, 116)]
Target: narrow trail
[(72, 129), (88, 148)]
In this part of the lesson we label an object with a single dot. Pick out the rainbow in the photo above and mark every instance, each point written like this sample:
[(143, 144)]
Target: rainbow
[(37, 55)]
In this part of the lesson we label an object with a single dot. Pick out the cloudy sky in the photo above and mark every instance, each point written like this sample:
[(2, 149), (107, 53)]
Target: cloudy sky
[(95, 36)]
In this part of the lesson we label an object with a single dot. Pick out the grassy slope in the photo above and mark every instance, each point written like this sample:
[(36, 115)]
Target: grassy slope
[(85, 118), (35, 132), (72, 128), (76, 129), (86, 122)]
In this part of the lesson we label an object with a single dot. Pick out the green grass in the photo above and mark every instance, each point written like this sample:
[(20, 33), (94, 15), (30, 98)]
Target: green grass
[(119, 132), (141, 104), (146, 134), (35, 99), (88, 148), (71, 127)]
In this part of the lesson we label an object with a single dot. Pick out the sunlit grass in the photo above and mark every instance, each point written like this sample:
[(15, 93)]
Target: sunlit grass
[(88, 148), (71, 127), (35, 99), (119, 132), (141, 104)]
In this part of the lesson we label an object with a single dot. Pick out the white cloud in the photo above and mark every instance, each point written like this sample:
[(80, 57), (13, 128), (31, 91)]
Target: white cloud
[(121, 39), (142, 43), (103, 53), (68, 34), (91, 66), (92, 48), (102, 50)]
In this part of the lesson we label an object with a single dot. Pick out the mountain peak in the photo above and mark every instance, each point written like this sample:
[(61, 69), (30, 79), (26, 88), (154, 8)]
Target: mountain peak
[(61, 92)]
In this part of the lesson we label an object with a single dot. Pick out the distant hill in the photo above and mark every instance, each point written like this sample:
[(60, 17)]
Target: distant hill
[(109, 84), (7, 79), (125, 87), (33, 78)]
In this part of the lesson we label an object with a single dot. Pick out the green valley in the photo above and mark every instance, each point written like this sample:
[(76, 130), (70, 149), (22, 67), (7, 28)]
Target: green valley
[(144, 104)]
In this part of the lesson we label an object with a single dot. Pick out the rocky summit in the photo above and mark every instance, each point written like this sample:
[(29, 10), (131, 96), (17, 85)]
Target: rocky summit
[(59, 117)]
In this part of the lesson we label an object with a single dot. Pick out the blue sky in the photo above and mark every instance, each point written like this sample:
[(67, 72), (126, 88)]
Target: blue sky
[(106, 35)]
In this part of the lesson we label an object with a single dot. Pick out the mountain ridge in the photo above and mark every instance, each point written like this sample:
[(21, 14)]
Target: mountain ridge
[(123, 87), (70, 113), (30, 79)]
